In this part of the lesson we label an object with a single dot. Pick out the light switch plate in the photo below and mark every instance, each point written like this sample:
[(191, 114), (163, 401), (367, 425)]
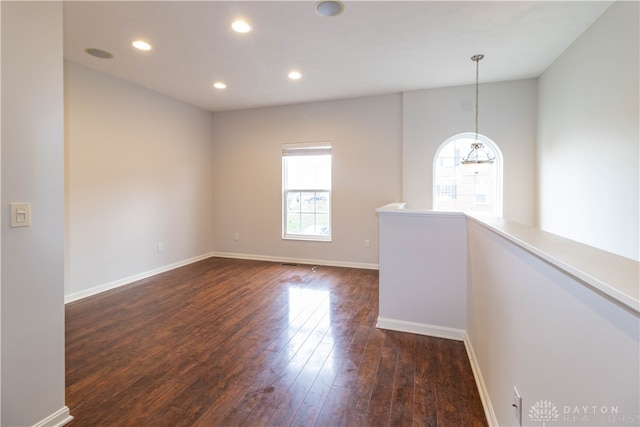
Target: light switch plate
[(20, 214)]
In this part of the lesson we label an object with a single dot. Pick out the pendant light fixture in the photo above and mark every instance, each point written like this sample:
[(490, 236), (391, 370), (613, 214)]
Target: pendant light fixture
[(478, 157)]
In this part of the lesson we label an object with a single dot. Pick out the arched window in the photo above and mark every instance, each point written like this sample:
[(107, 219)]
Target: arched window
[(457, 187)]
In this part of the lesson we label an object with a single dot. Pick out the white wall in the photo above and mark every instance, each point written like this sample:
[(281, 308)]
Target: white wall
[(507, 115), (366, 145), (537, 328), (588, 145), (32, 333), (529, 321), (138, 173), (423, 275)]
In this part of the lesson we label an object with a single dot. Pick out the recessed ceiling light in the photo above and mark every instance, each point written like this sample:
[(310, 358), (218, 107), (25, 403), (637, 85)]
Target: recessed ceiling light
[(295, 75), (219, 85), (99, 53), (142, 45), (329, 8), (241, 26)]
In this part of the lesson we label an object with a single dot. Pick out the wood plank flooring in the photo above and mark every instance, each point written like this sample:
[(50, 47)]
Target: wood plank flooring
[(226, 342)]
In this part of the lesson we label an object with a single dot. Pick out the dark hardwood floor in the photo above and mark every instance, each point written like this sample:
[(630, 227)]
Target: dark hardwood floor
[(227, 342)]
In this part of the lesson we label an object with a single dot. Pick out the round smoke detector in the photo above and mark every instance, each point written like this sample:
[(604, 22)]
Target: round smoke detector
[(329, 8)]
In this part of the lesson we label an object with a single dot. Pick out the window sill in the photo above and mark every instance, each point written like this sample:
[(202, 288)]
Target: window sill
[(308, 238)]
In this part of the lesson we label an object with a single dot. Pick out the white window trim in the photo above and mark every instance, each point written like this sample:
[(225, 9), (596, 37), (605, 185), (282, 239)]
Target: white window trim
[(298, 149)]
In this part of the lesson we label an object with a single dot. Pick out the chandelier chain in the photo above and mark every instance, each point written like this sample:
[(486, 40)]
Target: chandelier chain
[(477, 59), (477, 95)]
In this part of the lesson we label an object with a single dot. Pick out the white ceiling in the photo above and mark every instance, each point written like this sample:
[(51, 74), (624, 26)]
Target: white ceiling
[(372, 48)]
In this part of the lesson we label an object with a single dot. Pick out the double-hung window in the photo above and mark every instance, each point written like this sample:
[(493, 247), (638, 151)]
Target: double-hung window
[(306, 191)]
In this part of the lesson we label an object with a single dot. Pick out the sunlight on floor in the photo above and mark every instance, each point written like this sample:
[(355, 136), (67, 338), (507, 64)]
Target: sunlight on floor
[(310, 329)]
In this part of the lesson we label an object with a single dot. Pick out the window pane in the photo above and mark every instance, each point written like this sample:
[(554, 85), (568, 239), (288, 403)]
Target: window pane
[(293, 223), (308, 204), (456, 187), (308, 213), (293, 201), (322, 201), (313, 224), (322, 224), (308, 172), (307, 193)]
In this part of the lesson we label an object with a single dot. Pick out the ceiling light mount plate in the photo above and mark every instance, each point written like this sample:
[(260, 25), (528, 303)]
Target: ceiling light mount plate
[(329, 8)]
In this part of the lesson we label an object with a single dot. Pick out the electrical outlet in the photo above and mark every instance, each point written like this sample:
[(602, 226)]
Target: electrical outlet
[(367, 244), (236, 237), (517, 405), (160, 247)]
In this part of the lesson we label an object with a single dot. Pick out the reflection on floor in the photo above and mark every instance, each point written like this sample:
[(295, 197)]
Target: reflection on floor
[(234, 342)]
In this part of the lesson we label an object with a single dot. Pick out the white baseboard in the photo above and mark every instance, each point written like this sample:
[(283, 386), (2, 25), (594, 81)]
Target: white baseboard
[(482, 388), (127, 280), (329, 263), (421, 329), (57, 419)]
